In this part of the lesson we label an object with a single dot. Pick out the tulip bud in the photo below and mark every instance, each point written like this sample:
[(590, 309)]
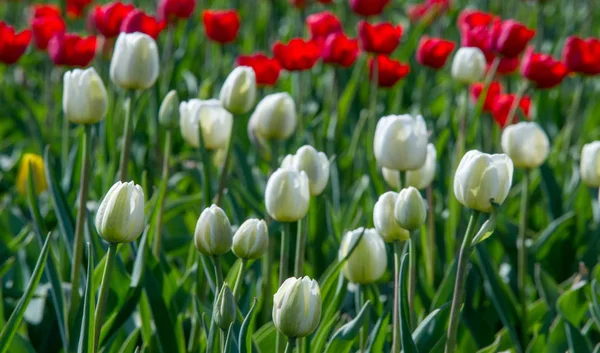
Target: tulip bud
[(590, 164), (209, 116), (287, 195), (482, 177), (384, 220), (410, 210), (314, 164), (135, 63), (34, 164), (120, 217), (468, 65), (297, 307), (238, 93), (274, 117), (422, 177), (401, 142), (369, 259), (84, 96), (168, 114), (213, 234), (251, 240), (224, 310), (526, 144)]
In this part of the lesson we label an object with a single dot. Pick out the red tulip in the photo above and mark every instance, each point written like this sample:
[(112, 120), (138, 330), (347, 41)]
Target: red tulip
[(507, 65), (45, 22), (381, 38), (325, 1), (469, 19), (417, 12), (434, 52), (323, 24), (76, 8), (390, 71), (340, 50), (368, 7), (108, 18), (12, 44), (299, 4), (68, 49), (542, 69), (221, 26), (509, 38), (427, 11), (493, 91), (266, 69), (478, 37), (582, 56), (503, 104), (138, 21), (297, 55), (172, 10)]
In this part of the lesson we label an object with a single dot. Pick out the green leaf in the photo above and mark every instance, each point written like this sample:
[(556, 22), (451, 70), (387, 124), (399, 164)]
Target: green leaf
[(85, 343), (550, 185), (429, 331), (9, 330), (545, 237), (344, 337), (378, 335), (572, 305), (549, 290), (557, 339), (265, 338), (577, 343), (408, 345), (245, 338), (488, 227), (131, 342)]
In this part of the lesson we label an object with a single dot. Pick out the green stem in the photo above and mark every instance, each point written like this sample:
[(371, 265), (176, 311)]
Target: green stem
[(522, 256), (163, 190), (224, 170), (299, 102), (396, 344), (572, 119), (238, 280), (539, 36), (515, 105), (283, 270), (372, 117), (461, 279), (222, 339), (218, 283), (111, 256), (206, 177), (431, 247), (300, 246), (81, 218), (291, 344), (462, 125), (127, 136), (359, 301), (412, 278), (65, 142)]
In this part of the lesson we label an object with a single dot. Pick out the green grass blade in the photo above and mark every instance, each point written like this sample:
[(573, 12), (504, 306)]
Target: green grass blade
[(85, 344)]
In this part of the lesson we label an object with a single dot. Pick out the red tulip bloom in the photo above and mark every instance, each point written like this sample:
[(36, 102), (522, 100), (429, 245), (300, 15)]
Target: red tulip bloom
[(323, 24), (68, 49), (297, 55), (503, 104), (509, 38), (172, 10), (507, 65), (469, 19), (138, 21), (582, 56), (368, 7), (76, 8), (266, 69), (542, 69), (45, 22), (12, 44), (493, 91), (390, 71), (381, 38), (109, 18), (478, 37), (417, 12), (434, 52), (221, 26), (340, 50)]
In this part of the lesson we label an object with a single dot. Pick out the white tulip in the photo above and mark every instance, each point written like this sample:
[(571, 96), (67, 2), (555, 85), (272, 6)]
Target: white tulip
[(468, 65), (224, 309), (168, 114), (120, 217), (315, 164), (84, 96), (274, 118), (481, 177), (287, 195), (526, 144), (238, 93), (369, 259), (401, 142), (251, 240), (213, 235), (410, 210), (590, 164), (297, 307), (421, 178), (384, 220), (135, 62), (215, 122)]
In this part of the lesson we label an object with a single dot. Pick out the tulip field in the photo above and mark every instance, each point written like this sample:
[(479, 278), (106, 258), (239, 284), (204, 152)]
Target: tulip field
[(308, 176)]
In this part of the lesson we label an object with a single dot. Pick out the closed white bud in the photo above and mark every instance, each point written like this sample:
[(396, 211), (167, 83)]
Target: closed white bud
[(224, 310), (315, 164), (297, 307), (251, 240), (590, 164), (385, 221), (482, 177), (287, 195), (120, 217), (423, 177), (468, 65), (369, 259), (274, 117), (401, 142), (213, 235), (238, 93), (410, 210), (134, 64), (168, 114), (526, 144), (215, 122), (84, 96)]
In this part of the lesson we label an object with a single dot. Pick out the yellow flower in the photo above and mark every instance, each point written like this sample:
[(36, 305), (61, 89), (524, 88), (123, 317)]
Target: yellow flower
[(39, 178)]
